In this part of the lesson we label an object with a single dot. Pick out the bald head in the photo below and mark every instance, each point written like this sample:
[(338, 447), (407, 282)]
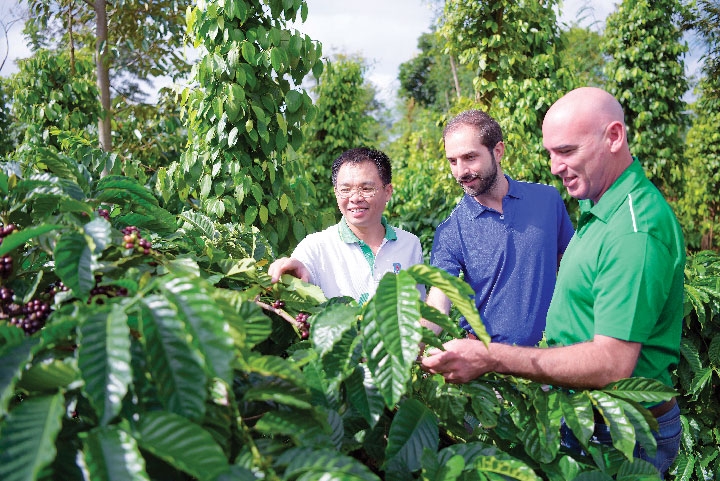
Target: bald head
[(585, 134), (590, 106)]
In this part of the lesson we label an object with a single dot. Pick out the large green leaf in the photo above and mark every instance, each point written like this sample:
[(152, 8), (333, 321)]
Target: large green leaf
[(306, 428), (364, 396), (14, 358), (391, 333), (413, 429), (249, 326), (329, 325), (182, 444), (541, 436), (323, 464), (643, 422), (640, 389), (27, 437), (578, 412), (621, 428), (140, 207), (20, 237), (344, 356), (201, 223), (206, 326), (175, 364), (457, 290), (112, 454), (508, 468), (99, 231), (104, 359), (50, 375), (73, 263), (484, 401)]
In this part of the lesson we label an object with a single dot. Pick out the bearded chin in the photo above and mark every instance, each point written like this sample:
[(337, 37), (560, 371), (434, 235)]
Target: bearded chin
[(484, 186)]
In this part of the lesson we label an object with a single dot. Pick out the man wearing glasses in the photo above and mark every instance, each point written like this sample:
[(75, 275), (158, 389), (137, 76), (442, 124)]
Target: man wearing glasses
[(350, 258)]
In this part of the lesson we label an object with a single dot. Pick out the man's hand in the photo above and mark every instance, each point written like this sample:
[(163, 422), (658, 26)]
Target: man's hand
[(462, 360), (288, 265)]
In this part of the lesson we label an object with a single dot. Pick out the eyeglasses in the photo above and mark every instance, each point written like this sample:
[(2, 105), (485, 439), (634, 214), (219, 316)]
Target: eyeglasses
[(366, 192)]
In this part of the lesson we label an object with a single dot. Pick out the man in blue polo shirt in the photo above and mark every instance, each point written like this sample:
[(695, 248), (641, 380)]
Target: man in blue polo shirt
[(506, 237)]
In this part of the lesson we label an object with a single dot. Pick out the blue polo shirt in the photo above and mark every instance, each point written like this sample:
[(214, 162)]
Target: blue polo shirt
[(510, 259)]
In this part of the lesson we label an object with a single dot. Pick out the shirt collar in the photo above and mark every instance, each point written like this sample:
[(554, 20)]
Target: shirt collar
[(349, 237), (615, 196)]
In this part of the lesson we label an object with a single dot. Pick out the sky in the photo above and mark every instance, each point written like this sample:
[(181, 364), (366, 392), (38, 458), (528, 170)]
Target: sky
[(383, 32)]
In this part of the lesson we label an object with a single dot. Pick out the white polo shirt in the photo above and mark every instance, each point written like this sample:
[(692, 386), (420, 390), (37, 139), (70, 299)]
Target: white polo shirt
[(343, 265)]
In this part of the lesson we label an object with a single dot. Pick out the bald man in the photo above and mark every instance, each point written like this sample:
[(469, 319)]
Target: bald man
[(617, 307)]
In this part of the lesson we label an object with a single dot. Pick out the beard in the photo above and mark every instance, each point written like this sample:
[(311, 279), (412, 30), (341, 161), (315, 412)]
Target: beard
[(485, 184)]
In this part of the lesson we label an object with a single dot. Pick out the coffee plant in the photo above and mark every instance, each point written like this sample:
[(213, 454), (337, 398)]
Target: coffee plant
[(183, 361)]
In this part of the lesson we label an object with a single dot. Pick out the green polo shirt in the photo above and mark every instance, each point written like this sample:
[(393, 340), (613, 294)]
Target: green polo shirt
[(622, 275)]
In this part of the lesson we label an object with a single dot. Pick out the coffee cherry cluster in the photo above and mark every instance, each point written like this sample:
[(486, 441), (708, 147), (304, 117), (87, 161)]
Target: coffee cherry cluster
[(302, 319), (133, 240), (99, 293), (104, 213), (278, 304), (30, 317), (6, 261), (56, 287)]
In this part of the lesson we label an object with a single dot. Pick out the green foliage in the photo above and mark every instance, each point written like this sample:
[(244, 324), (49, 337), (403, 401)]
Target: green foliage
[(50, 93), (344, 119), (646, 74), (424, 191), (429, 79), (244, 115), (145, 37), (8, 137), (582, 55), (174, 362), (698, 374), (700, 207)]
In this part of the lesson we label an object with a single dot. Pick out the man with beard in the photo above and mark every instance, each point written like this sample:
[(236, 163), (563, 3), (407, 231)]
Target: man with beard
[(505, 236)]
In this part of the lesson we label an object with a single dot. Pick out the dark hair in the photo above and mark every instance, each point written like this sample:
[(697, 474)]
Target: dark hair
[(487, 127), (363, 154)]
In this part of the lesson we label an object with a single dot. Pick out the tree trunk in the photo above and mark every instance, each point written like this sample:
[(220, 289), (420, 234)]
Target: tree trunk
[(103, 76), (453, 68)]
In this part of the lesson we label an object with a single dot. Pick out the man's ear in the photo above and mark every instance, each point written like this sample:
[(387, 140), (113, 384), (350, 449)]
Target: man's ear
[(615, 135), (499, 151)]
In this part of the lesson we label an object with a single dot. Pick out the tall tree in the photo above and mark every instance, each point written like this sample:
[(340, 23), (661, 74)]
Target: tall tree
[(703, 17), (244, 114), (647, 74), (432, 78), (142, 40)]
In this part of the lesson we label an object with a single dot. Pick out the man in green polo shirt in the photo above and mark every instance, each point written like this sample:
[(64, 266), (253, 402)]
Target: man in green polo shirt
[(617, 307)]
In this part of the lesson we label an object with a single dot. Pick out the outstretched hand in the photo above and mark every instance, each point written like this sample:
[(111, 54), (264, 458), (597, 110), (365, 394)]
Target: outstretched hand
[(288, 265), (462, 360)]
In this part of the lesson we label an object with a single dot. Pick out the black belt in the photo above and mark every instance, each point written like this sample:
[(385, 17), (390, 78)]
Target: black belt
[(662, 408)]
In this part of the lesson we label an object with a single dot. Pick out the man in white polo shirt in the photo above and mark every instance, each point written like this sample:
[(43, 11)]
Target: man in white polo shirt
[(350, 257)]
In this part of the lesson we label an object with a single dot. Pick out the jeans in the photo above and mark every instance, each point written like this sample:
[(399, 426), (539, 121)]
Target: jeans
[(667, 437)]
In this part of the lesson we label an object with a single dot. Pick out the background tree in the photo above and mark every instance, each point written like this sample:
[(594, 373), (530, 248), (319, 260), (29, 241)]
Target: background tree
[(144, 41), (430, 79), (581, 54), (8, 137), (49, 97), (647, 74), (700, 206), (346, 116), (243, 116)]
